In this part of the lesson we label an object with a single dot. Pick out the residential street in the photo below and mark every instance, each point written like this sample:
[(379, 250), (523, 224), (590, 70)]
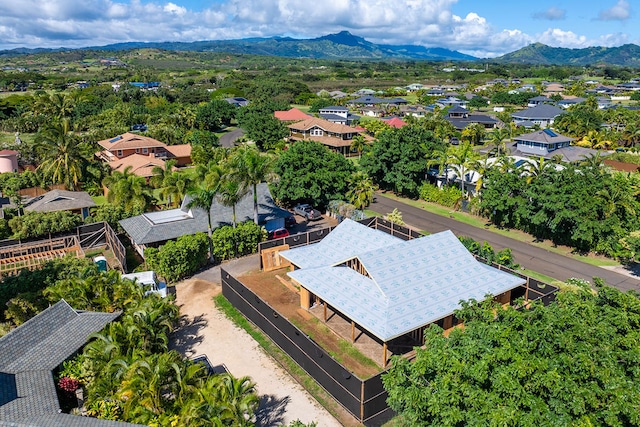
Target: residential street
[(528, 256), (228, 139)]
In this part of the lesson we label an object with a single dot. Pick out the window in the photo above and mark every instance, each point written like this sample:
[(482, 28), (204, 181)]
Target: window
[(137, 150), (145, 151), (316, 132), (119, 153)]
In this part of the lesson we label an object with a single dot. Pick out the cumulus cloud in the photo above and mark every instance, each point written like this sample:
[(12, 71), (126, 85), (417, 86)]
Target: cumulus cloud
[(556, 37), (620, 12), (431, 23), (551, 14)]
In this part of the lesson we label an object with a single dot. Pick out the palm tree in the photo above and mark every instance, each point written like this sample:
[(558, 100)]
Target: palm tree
[(128, 190), (248, 167), (230, 195), (440, 158), (462, 158), (361, 190), (537, 168), (203, 197), (239, 399), (498, 137), (481, 166), (61, 153), (358, 143), (57, 105), (172, 184), (473, 133)]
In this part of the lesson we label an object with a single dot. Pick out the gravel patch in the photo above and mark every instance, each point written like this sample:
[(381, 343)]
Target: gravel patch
[(207, 331)]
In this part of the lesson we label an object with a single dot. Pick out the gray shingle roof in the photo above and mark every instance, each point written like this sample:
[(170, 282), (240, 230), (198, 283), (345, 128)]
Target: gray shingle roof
[(145, 229), (539, 112), (29, 353), (60, 200)]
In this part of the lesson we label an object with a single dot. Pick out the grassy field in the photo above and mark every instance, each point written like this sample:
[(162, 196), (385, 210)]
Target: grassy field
[(483, 223)]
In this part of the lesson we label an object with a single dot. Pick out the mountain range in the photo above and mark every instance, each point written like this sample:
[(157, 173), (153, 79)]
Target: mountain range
[(344, 45)]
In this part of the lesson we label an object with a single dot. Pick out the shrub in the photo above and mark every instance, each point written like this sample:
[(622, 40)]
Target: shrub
[(447, 196), (34, 224), (229, 242), (178, 258), (485, 250)]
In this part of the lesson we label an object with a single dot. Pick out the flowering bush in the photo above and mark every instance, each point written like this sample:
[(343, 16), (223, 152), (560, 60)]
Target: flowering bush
[(68, 384)]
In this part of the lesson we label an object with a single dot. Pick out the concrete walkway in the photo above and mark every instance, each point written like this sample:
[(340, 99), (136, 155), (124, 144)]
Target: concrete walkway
[(206, 331)]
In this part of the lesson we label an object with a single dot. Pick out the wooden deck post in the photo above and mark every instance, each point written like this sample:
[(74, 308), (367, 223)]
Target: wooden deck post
[(324, 303), (353, 332), (384, 355), (305, 298)]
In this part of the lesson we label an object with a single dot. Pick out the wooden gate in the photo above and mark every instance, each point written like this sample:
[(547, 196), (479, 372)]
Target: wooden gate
[(271, 259)]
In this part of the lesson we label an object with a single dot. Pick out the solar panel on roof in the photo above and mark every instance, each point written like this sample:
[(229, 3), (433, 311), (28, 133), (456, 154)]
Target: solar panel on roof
[(117, 138), (550, 132)]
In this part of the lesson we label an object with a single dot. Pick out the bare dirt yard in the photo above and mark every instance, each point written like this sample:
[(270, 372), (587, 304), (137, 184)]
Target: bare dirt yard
[(207, 331)]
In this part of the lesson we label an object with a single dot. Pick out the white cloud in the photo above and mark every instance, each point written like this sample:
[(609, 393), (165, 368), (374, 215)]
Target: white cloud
[(431, 23), (620, 12), (174, 8), (556, 37), (551, 14)]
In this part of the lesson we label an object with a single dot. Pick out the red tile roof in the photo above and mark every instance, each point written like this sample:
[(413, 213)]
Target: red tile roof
[(395, 122), (128, 141), (291, 115)]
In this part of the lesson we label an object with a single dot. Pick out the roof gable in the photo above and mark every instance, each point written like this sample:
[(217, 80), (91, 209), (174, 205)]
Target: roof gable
[(411, 283)]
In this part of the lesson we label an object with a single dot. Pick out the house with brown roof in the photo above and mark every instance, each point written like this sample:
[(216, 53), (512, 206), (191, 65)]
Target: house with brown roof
[(141, 152), (336, 136)]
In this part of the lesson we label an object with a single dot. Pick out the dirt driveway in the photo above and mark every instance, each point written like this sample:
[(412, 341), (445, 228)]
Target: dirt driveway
[(206, 331)]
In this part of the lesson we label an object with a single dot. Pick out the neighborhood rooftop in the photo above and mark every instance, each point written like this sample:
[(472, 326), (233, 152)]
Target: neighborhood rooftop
[(165, 225), (29, 353), (407, 285)]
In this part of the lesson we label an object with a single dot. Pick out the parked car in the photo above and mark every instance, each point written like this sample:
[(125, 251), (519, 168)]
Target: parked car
[(307, 211), (290, 221), (149, 280), (278, 233)]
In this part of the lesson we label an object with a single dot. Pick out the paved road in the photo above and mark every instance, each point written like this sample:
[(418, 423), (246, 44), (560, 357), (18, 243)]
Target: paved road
[(528, 256), (227, 140)]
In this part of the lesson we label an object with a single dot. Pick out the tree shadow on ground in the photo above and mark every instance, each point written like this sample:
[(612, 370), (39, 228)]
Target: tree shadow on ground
[(271, 410), (187, 335)]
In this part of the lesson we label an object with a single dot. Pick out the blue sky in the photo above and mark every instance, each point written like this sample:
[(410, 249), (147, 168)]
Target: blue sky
[(484, 28)]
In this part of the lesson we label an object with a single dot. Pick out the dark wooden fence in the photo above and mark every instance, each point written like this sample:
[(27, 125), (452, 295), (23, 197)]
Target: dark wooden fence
[(366, 399)]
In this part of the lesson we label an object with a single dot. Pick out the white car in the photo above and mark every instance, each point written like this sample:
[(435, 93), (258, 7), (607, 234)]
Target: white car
[(149, 280)]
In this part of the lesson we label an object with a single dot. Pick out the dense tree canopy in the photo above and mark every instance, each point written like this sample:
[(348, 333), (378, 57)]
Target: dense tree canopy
[(397, 159), (311, 173), (579, 206), (572, 363)]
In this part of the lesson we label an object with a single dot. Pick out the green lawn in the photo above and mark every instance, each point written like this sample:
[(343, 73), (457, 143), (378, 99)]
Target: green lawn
[(483, 223)]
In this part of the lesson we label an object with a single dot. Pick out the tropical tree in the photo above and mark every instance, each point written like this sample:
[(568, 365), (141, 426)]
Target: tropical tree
[(568, 363), (311, 173), (128, 190), (239, 399), (358, 143), (63, 160), (248, 167), (56, 106), (361, 190), (537, 168), (231, 193), (173, 184), (498, 137), (473, 133), (461, 158), (202, 197)]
